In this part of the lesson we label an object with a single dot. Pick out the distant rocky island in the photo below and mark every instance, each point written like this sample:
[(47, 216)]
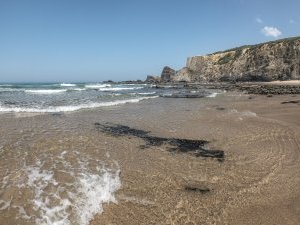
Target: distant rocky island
[(270, 61)]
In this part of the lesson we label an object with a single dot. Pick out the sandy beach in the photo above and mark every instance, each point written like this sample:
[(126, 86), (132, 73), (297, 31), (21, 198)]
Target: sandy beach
[(150, 112), (286, 82), (255, 183)]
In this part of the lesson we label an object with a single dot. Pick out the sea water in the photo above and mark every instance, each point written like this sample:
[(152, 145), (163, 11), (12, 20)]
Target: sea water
[(64, 97)]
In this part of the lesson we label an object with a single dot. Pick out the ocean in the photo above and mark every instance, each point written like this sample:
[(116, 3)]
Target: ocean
[(66, 97)]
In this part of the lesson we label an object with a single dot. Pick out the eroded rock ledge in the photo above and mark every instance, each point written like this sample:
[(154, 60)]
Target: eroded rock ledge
[(275, 60)]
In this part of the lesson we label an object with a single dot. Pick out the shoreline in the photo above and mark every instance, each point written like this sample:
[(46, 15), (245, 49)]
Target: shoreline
[(257, 177)]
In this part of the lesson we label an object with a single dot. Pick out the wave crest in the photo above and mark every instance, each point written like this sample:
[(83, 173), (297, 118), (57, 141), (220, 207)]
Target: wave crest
[(46, 91), (54, 109)]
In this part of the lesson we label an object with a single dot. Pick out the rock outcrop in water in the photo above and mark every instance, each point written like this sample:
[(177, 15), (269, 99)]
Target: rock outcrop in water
[(275, 60)]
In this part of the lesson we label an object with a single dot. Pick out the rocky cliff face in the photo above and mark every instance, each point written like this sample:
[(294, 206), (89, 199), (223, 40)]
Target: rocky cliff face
[(277, 60)]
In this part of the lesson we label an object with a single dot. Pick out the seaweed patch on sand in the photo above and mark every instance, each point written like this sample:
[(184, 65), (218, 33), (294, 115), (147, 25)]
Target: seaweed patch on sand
[(194, 147), (291, 102)]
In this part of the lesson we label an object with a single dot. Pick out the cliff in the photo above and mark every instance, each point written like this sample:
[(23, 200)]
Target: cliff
[(276, 60)]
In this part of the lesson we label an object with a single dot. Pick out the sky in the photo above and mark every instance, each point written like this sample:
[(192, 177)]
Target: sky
[(89, 40)]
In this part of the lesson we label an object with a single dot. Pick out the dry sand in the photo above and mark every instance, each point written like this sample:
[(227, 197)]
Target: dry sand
[(286, 82)]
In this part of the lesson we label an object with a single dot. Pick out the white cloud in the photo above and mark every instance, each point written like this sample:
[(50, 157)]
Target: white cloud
[(271, 31), (258, 20)]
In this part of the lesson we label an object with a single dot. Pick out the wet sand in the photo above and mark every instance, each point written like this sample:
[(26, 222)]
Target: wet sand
[(256, 183)]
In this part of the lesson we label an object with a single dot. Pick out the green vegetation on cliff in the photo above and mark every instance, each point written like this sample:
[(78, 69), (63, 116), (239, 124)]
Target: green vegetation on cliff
[(273, 60), (239, 49)]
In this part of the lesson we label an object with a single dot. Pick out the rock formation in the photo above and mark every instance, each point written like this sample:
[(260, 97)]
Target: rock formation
[(153, 79), (183, 75), (167, 74), (275, 60)]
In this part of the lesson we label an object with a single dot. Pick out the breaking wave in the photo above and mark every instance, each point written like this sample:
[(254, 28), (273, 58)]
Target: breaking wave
[(96, 86), (67, 85), (46, 92), (70, 108), (119, 88)]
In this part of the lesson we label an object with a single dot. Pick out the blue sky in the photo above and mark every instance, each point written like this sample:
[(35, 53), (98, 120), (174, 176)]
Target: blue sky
[(79, 40)]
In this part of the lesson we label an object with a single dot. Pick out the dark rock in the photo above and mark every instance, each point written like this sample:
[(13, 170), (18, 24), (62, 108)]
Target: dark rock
[(254, 88), (110, 82), (167, 74), (183, 95), (194, 147), (186, 94), (153, 79), (268, 89), (132, 82)]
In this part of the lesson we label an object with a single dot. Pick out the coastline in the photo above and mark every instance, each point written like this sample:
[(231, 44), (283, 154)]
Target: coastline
[(255, 183), (260, 88)]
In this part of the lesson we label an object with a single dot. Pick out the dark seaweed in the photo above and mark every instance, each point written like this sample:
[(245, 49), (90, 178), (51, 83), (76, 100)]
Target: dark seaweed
[(195, 147), (291, 102), (202, 190)]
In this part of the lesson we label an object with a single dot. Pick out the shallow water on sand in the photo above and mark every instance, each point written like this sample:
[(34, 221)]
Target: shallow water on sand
[(49, 177), (60, 169)]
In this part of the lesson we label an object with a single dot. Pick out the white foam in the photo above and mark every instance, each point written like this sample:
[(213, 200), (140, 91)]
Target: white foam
[(146, 93), (95, 190), (45, 92), (243, 113), (78, 202), (249, 113), (4, 204), (96, 86), (67, 85), (212, 95), (53, 109), (119, 88), (76, 89), (10, 89)]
